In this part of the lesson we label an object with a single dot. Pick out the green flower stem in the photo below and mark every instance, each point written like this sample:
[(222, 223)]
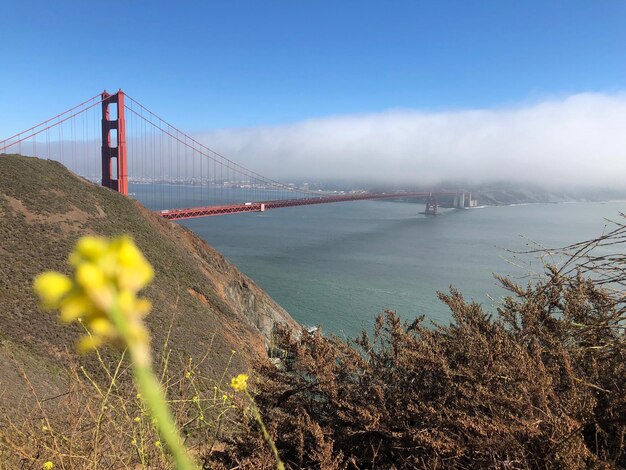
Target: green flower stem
[(151, 392), (266, 435)]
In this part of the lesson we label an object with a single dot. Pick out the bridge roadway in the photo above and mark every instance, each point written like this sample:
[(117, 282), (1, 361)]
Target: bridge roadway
[(195, 212)]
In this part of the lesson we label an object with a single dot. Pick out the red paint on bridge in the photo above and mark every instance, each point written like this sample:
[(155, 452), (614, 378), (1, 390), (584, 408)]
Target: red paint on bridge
[(195, 212), (152, 151)]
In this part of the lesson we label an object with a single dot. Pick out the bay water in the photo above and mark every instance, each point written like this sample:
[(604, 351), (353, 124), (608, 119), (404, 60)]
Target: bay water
[(338, 265)]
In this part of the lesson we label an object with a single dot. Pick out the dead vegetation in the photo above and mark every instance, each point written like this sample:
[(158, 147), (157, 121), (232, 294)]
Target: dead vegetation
[(98, 424), (540, 385)]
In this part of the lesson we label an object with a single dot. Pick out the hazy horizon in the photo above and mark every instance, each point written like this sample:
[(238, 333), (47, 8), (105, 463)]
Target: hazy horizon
[(410, 94), (573, 141)]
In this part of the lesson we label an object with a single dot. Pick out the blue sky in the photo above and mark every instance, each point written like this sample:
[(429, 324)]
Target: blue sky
[(243, 63), (268, 78)]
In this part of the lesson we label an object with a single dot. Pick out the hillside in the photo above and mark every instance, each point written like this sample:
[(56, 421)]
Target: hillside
[(211, 307), (504, 193)]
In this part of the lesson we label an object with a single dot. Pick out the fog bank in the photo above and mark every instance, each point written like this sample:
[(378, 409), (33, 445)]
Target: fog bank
[(579, 140)]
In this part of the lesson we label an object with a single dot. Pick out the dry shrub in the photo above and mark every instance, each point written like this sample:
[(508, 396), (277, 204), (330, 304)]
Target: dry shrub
[(541, 385)]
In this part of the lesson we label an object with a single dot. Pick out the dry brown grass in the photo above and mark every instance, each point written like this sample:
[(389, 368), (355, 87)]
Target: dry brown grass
[(91, 426), (540, 385)]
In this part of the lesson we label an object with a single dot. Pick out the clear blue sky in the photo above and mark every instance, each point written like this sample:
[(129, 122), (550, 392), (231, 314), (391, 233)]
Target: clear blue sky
[(221, 64)]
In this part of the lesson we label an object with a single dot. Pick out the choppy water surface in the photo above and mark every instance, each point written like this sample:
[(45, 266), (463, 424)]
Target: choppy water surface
[(338, 265)]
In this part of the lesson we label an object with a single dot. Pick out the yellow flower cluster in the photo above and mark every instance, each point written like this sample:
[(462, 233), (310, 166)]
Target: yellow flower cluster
[(240, 383), (107, 276)]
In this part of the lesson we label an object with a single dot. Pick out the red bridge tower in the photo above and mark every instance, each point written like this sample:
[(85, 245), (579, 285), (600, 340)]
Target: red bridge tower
[(114, 167)]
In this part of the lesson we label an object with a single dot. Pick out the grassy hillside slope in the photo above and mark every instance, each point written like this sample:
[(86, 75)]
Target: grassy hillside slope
[(210, 306)]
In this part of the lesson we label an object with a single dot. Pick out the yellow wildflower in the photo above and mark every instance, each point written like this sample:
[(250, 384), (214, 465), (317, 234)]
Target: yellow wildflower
[(102, 296), (133, 270), (102, 292), (89, 343), (51, 287), (88, 248), (48, 465), (157, 444), (240, 383)]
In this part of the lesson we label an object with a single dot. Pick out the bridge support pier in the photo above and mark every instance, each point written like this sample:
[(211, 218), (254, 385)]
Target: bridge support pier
[(431, 205), (114, 156), (460, 201)]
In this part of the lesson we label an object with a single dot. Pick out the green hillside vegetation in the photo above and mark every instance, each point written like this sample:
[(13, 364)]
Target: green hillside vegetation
[(207, 317)]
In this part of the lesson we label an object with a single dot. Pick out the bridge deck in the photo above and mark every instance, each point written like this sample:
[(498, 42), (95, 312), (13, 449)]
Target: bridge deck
[(208, 211)]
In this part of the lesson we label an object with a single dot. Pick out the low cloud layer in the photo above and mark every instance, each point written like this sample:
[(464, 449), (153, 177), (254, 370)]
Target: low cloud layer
[(578, 140)]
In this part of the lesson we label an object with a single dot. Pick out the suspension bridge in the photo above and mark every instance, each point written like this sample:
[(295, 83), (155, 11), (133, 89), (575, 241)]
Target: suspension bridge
[(114, 140)]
